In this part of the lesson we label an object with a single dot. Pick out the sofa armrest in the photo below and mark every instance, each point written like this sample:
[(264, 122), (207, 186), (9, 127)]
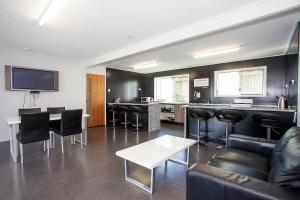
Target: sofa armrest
[(205, 182), (252, 144)]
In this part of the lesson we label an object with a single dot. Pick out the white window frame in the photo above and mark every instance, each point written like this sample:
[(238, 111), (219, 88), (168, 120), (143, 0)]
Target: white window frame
[(264, 68), (180, 75)]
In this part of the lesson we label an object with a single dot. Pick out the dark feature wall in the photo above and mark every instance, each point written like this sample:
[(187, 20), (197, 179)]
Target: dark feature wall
[(275, 79), (291, 73), (124, 85)]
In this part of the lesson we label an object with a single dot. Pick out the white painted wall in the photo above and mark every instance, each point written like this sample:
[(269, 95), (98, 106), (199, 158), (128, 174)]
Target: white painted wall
[(71, 92)]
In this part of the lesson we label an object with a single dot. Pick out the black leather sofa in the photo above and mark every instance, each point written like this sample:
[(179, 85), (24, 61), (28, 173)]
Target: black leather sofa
[(251, 168)]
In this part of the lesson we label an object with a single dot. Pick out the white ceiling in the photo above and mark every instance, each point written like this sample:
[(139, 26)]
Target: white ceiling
[(88, 31), (265, 38)]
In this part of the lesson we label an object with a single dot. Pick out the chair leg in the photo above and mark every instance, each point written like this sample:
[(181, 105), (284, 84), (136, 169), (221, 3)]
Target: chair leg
[(50, 137), (53, 140), (62, 144), (44, 145), (74, 139), (21, 152), (81, 136), (48, 148)]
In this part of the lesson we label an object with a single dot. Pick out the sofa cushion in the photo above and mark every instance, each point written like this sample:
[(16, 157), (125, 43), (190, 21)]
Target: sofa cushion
[(286, 170), (239, 169), (242, 162), (280, 145)]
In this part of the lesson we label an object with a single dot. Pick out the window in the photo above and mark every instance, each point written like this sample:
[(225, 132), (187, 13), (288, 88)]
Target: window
[(172, 88), (247, 82)]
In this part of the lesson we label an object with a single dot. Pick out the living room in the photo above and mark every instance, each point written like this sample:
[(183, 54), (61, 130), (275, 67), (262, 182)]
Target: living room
[(149, 100)]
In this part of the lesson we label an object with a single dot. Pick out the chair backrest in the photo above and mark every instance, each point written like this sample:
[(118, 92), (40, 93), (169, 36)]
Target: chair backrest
[(282, 142), (285, 168), (34, 127), (56, 110), (71, 122), (28, 110)]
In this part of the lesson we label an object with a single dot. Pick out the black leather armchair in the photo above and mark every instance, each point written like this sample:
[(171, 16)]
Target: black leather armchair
[(250, 168)]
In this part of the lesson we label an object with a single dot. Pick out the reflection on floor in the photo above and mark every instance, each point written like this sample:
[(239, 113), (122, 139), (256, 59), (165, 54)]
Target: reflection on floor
[(93, 172)]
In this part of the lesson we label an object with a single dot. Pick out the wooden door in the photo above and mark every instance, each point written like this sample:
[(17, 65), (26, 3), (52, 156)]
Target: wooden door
[(95, 85)]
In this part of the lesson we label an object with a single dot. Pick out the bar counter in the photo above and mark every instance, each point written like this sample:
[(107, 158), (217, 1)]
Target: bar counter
[(245, 127), (150, 119)]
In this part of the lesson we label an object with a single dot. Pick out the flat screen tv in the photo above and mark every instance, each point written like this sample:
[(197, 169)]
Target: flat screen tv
[(21, 78)]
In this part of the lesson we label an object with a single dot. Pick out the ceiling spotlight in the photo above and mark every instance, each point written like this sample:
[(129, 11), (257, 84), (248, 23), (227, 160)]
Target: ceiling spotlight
[(145, 65), (46, 12), (216, 51)]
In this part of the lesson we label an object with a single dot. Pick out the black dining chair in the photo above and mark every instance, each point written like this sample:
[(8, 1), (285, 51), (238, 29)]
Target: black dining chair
[(34, 127), (70, 125), (28, 110), (54, 123)]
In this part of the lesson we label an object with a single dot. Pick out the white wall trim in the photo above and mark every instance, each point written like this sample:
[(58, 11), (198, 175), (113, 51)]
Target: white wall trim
[(230, 19)]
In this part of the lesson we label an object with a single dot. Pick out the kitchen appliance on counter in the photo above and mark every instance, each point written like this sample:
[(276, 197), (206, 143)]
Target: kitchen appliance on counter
[(282, 102), (146, 99)]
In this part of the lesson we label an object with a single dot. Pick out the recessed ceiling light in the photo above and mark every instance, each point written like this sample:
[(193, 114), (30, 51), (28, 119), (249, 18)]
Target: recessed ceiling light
[(46, 12), (216, 51), (27, 49), (145, 65)]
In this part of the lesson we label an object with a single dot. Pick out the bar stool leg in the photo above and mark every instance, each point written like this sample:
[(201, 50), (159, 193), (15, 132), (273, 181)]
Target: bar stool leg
[(125, 121), (137, 122), (227, 134), (114, 122), (269, 133), (198, 136)]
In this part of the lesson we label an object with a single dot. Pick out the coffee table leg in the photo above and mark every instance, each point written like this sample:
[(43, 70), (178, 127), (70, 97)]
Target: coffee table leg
[(186, 162), (139, 184)]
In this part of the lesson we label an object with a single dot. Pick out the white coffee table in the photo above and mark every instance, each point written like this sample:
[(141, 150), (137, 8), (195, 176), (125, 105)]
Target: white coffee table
[(152, 153)]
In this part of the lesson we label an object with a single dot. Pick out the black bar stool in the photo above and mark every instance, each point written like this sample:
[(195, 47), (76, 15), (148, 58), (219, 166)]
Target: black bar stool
[(112, 109), (269, 121), (202, 115), (137, 111), (229, 117), (124, 110)]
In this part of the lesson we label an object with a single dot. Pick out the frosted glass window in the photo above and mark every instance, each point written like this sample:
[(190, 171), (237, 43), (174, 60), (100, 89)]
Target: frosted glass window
[(248, 82)]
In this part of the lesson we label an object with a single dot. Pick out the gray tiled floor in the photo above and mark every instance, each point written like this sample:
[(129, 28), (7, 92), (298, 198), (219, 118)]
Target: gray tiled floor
[(93, 172)]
